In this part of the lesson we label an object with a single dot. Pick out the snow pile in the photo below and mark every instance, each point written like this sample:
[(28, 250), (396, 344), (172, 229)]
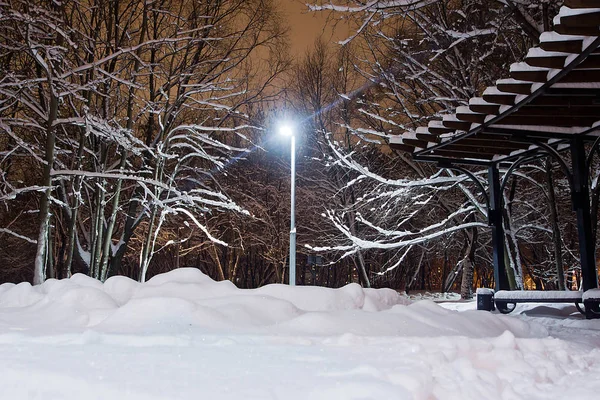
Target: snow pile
[(437, 297), (187, 301), (184, 336)]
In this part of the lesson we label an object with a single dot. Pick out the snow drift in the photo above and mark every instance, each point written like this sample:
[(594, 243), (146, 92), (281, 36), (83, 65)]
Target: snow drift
[(185, 301), (182, 335)]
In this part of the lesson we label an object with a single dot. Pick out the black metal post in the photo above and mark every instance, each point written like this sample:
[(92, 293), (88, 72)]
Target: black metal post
[(581, 205), (495, 221)]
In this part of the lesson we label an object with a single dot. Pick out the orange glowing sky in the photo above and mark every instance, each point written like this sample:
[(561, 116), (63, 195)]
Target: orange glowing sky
[(306, 26)]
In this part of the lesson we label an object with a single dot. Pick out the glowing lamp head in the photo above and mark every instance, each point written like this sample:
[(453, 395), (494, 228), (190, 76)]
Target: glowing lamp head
[(286, 130)]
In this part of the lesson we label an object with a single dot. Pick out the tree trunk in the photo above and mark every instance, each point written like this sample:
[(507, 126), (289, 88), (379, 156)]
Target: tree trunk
[(96, 244), (595, 200), (466, 287), (514, 270), (75, 210), (466, 290), (444, 270), (144, 260), (360, 265), (42, 244), (106, 248), (218, 264), (49, 256), (556, 237)]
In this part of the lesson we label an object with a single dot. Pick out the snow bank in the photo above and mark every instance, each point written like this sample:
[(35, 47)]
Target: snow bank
[(187, 301), (184, 336)]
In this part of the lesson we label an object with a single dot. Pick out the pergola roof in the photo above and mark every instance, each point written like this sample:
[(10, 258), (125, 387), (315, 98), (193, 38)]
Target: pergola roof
[(550, 97)]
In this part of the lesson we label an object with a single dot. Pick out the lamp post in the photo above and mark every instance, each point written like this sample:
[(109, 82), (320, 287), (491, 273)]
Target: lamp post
[(287, 130)]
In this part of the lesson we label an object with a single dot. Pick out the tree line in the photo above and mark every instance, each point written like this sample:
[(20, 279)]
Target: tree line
[(138, 136)]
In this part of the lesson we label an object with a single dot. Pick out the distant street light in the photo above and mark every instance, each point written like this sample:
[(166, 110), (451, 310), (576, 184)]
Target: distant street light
[(288, 130)]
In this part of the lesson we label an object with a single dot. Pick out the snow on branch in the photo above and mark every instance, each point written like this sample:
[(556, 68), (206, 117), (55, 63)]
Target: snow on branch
[(347, 161), (396, 239), (12, 233), (371, 6)]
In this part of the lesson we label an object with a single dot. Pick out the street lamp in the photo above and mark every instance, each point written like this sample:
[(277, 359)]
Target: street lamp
[(287, 130)]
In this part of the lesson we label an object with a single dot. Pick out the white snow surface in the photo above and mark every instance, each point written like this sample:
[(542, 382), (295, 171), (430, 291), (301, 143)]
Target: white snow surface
[(538, 294), (182, 335)]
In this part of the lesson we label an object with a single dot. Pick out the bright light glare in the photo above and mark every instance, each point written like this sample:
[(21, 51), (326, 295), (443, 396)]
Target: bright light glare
[(286, 130)]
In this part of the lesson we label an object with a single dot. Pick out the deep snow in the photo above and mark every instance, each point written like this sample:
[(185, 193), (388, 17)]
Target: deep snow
[(183, 336)]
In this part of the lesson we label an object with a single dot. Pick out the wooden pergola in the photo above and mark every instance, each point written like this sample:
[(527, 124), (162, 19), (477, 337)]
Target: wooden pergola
[(549, 103)]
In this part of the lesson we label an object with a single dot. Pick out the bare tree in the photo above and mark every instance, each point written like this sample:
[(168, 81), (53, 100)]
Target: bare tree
[(419, 59), (140, 106)]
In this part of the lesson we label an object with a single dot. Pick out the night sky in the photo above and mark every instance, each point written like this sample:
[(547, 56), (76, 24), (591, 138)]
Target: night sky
[(306, 26)]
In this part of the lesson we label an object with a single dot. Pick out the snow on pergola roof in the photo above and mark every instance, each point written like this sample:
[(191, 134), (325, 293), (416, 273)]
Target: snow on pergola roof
[(550, 97)]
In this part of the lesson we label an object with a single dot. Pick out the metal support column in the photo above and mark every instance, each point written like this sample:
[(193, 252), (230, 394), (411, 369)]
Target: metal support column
[(292, 278), (495, 221), (581, 205)]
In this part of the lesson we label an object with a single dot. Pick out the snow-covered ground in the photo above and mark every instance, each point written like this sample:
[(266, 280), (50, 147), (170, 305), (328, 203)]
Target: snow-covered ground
[(184, 336)]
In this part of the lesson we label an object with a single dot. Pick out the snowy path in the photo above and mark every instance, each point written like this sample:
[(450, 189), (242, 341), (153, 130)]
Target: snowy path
[(156, 343), (93, 366)]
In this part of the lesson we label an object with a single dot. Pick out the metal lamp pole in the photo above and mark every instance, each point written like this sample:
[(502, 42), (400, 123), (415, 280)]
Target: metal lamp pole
[(293, 215), (287, 130)]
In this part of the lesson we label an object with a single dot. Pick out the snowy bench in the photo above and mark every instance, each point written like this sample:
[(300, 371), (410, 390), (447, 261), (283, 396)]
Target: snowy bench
[(506, 300), (591, 301)]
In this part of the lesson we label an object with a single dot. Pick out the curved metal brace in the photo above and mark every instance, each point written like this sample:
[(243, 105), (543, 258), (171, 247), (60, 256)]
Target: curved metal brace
[(512, 168), (505, 306), (474, 179), (595, 146), (551, 151)]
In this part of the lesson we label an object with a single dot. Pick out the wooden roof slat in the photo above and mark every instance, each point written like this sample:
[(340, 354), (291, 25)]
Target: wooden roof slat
[(476, 118), (538, 110), (563, 46), (512, 86), (553, 94), (521, 133), (582, 75), (593, 61), (582, 20), (416, 143), (499, 144), (560, 121), (588, 91), (498, 98), (440, 130), (576, 30), (437, 128), (428, 137), (546, 62), (494, 137), (581, 3), (488, 152), (491, 109), (478, 105), (458, 125), (481, 150), (402, 147), (562, 98), (458, 155), (539, 76), (538, 57)]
